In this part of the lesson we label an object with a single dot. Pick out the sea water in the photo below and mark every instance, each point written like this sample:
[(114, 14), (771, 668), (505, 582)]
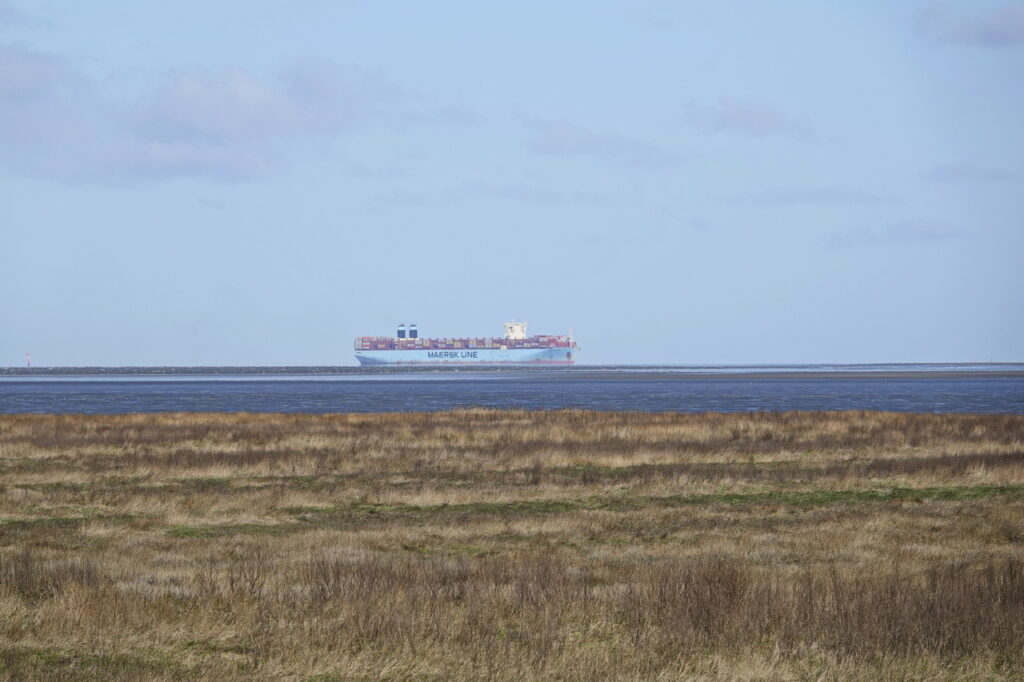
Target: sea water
[(901, 388)]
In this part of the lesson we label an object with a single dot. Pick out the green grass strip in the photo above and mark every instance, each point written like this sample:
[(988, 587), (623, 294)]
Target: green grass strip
[(343, 516), (627, 502)]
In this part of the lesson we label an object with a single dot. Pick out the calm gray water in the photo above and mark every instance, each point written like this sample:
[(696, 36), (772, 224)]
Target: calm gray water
[(900, 388)]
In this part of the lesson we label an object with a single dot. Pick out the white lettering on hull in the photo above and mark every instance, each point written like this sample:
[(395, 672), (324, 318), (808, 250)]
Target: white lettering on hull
[(452, 355)]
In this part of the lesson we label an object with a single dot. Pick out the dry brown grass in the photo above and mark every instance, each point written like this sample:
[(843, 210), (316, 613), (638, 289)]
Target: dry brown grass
[(511, 545)]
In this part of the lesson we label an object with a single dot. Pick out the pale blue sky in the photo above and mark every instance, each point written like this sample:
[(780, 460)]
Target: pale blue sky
[(239, 183)]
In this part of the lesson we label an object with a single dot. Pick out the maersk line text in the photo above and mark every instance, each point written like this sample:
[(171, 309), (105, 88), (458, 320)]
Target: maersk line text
[(444, 354)]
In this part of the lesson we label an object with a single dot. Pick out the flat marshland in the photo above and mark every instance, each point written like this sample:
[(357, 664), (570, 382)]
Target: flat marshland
[(512, 545)]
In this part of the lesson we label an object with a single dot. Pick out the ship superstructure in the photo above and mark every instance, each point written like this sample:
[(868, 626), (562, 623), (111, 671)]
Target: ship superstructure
[(515, 348)]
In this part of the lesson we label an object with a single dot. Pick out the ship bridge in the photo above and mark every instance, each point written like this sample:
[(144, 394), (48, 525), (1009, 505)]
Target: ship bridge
[(515, 330)]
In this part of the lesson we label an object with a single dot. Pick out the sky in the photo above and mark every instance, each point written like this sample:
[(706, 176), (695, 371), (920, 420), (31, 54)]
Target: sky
[(258, 183)]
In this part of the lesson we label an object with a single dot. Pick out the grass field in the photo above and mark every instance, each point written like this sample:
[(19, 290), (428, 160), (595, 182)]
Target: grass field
[(512, 545)]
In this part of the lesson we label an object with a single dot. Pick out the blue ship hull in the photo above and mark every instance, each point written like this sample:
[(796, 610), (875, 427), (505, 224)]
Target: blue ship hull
[(469, 356)]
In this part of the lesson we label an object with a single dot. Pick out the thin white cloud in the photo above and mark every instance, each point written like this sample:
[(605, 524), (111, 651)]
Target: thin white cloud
[(214, 106), (965, 171), (248, 125), (51, 118), (1001, 26), (11, 16), (30, 75), (751, 119), (534, 193), (559, 138), (520, 192), (227, 124), (813, 195), (911, 233)]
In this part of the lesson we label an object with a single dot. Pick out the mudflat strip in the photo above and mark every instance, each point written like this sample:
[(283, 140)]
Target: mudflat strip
[(512, 545)]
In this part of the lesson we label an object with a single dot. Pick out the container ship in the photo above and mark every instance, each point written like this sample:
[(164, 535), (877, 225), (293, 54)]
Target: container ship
[(515, 348)]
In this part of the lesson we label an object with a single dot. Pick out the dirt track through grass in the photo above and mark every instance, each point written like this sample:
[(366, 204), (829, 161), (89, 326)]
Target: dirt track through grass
[(511, 545)]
